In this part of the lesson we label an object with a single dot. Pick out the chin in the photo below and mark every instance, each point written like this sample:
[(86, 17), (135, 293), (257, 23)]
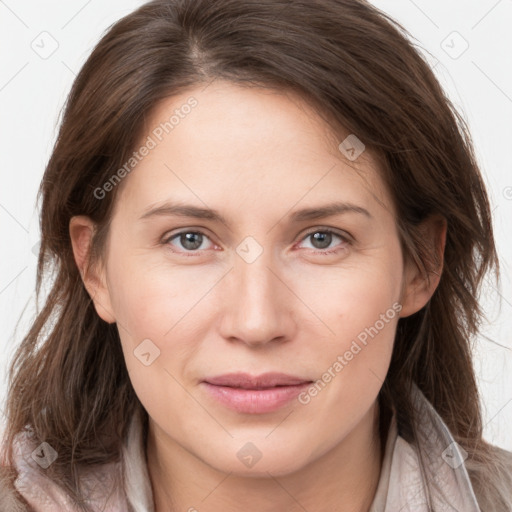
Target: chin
[(250, 461)]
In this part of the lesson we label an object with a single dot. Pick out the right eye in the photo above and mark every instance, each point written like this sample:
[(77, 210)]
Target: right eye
[(190, 241)]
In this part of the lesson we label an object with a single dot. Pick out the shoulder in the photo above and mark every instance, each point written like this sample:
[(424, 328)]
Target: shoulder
[(499, 470), (10, 499), (479, 480), (482, 479), (25, 486), (506, 458)]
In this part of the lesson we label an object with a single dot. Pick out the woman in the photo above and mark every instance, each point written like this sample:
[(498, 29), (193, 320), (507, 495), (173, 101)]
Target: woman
[(269, 232)]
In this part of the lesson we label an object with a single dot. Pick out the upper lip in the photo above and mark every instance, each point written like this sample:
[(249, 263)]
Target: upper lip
[(262, 381)]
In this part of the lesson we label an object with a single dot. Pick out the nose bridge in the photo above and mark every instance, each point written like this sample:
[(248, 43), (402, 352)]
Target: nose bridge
[(255, 281), (256, 311), (252, 270)]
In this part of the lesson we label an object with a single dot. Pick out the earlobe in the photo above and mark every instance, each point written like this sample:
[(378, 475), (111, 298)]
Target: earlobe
[(81, 232), (419, 287)]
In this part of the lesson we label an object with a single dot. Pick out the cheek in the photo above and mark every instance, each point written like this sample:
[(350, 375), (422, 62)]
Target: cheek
[(370, 314), (361, 308), (352, 366), (150, 306), (351, 296), (363, 317), (156, 308), (149, 296)]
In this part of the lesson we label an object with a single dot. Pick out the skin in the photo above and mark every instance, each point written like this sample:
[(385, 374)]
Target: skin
[(256, 156)]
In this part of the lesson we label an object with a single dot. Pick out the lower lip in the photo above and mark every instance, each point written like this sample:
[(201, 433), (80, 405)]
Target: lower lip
[(255, 401)]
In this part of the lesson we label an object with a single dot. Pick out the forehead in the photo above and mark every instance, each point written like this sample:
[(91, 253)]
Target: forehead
[(256, 148)]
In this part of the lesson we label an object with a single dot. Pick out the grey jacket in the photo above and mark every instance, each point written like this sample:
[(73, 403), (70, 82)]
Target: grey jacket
[(443, 485)]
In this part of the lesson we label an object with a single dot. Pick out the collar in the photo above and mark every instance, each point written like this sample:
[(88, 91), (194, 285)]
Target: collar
[(420, 476), (428, 474)]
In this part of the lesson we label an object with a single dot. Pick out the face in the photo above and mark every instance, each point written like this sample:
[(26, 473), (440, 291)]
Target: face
[(220, 260)]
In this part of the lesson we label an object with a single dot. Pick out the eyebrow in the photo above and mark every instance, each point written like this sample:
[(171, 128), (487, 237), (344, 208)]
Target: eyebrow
[(312, 213)]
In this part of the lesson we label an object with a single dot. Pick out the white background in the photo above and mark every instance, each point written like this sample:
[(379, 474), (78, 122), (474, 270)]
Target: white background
[(33, 90)]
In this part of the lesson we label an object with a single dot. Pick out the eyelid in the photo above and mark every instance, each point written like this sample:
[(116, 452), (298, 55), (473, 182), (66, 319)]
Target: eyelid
[(346, 237), (325, 229), (346, 242), (167, 237)]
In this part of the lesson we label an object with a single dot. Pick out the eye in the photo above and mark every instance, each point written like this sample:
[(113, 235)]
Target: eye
[(194, 241), (322, 239), (190, 241)]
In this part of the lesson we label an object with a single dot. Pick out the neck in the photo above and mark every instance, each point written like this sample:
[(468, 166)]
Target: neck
[(345, 476)]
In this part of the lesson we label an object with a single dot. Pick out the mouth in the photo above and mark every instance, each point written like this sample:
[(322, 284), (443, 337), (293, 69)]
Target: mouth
[(258, 394)]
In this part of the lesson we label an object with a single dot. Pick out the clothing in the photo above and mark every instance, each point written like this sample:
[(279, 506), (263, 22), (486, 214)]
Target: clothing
[(402, 485)]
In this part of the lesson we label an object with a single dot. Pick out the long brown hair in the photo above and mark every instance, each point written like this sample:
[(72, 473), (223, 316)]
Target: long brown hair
[(68, 380)]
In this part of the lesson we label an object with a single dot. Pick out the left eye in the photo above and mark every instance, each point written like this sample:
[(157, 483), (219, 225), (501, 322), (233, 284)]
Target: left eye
[(189, 240), (322, 239)]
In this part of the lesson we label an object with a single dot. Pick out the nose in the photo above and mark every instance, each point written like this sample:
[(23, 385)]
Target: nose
[(258, 305)]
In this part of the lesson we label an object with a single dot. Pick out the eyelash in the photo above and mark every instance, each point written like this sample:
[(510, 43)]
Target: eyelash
[(345, 240)]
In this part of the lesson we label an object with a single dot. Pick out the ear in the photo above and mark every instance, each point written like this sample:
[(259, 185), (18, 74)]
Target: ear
[(81, 231), (418, 288)]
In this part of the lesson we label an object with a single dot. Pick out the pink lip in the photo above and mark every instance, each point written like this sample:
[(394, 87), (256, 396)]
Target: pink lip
[(258, 394)]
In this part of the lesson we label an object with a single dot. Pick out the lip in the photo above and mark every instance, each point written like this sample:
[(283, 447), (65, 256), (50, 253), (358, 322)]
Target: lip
[(257, 394)]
